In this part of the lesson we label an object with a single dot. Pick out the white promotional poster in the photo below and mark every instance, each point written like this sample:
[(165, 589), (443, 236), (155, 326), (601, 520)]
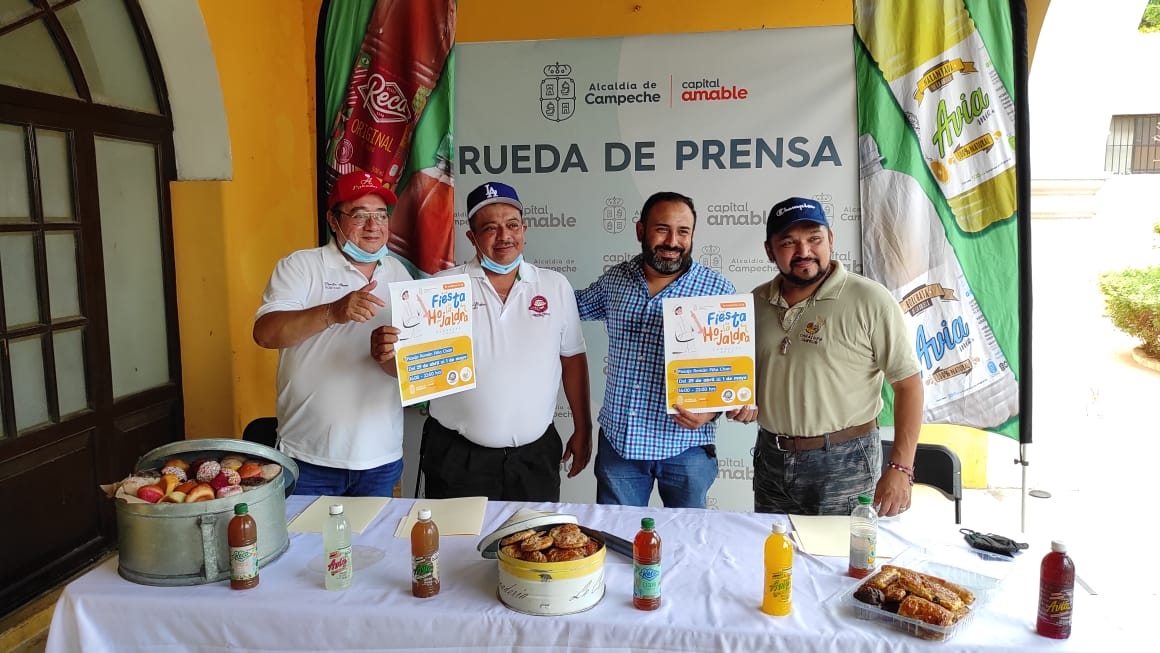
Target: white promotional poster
[(587, 129), (709, 352), (434, 351)]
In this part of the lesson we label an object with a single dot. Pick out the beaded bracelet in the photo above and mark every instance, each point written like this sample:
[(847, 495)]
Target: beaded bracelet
[(909, 471)]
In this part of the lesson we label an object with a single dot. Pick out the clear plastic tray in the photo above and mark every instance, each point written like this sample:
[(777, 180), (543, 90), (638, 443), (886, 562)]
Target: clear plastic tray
[(957, 566)]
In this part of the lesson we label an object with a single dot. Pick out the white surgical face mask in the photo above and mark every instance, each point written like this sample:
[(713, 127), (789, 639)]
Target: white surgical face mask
[(359, 255), (491, 265)]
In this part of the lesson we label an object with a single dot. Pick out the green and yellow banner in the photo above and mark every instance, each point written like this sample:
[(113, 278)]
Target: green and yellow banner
[(936, 125)]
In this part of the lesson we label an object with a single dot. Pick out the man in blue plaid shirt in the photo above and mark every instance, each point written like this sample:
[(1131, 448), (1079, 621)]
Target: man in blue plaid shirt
[(640, 442)]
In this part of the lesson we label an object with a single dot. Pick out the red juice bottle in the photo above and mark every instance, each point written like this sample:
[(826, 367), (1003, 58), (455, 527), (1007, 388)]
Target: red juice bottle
[(1056, 590)]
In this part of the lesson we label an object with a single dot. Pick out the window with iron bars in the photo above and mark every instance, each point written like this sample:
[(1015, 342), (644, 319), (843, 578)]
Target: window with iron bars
[(1133, 145)]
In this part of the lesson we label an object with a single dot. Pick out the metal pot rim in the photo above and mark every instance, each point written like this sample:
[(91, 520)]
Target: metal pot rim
[(156, 457)]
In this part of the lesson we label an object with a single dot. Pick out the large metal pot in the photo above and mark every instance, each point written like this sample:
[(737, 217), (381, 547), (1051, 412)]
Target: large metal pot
[(173, 544)]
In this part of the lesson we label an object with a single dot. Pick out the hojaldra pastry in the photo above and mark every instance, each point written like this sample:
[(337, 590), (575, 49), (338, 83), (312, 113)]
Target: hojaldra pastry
[(516, 538), (537, 542), (919, 608), (561, 543)]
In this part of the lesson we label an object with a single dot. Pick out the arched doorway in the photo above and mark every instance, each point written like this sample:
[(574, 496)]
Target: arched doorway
[(90, 374)]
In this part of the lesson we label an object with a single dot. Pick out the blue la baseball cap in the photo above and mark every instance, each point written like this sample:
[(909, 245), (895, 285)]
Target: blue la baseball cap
[(792, 211), (493, 192)]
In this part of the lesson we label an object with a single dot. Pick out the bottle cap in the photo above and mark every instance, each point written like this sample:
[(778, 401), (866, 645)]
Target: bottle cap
[(778, 527), (241, 509), (424, 514), (647, 523), (865, 499), (1058, 546), (336, 508)]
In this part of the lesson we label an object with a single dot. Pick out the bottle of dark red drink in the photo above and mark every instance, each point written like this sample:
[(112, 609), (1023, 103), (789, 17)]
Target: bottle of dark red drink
[(1056, 589)]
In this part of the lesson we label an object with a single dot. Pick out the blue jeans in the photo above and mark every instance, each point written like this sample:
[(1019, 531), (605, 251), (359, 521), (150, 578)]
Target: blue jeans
[(824, 481), (317, 480), (682, 480)]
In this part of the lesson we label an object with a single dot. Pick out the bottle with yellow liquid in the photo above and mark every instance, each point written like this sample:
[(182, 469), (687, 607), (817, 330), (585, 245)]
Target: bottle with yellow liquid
[(776, 599), (942, 76)]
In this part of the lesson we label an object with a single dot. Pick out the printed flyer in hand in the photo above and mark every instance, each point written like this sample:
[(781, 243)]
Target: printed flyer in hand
[(709, 352), (434, 349)]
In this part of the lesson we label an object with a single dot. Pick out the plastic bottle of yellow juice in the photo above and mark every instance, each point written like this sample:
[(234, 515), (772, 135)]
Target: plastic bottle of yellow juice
[(776, 596), (941, 74)]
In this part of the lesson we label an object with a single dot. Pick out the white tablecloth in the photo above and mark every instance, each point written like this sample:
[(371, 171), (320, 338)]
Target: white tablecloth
[(711, 590)]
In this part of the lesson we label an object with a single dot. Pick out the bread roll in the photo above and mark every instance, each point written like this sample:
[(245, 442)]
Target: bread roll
[(965, 595), (883, 578), (919, 608)]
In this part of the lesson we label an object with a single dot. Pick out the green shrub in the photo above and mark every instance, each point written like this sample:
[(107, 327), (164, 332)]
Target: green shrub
[(1150, 21), (1133, 304), (1156, 228)]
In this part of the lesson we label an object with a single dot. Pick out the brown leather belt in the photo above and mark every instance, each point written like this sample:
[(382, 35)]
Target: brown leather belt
[(792, 444)]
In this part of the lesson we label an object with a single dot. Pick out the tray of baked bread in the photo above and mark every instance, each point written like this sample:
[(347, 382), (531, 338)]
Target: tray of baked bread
[(922, 592)]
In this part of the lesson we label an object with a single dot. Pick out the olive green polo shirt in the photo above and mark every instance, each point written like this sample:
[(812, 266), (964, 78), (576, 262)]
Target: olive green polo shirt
[(850, 336)]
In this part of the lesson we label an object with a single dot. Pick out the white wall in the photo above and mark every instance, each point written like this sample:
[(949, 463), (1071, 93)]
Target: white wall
[(201, 138), (1091, 63)]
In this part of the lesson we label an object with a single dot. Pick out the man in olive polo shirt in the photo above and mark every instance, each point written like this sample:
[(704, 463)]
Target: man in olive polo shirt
[(826, 340)]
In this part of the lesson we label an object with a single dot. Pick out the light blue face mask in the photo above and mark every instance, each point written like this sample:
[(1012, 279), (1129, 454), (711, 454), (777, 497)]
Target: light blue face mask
[(492, 266), (359, 255)]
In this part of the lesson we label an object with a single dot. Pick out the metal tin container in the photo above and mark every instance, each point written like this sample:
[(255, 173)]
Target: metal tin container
[(546, 588), (172, 544)]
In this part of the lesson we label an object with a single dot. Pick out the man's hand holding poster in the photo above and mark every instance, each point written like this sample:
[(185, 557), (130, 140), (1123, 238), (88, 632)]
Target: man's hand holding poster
[(709, 352), (434, 350)]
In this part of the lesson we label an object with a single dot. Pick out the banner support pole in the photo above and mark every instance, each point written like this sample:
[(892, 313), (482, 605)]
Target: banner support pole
[(1024, 463)]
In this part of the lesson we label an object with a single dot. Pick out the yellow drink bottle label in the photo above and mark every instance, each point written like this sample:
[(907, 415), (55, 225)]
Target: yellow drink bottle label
[(947, 87), (777, 593)]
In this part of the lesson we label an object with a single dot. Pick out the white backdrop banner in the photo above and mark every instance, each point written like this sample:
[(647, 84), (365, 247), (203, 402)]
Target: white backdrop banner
[(587, 129)]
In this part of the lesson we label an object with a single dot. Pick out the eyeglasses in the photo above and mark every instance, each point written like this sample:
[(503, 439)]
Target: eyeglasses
[(359, 218)]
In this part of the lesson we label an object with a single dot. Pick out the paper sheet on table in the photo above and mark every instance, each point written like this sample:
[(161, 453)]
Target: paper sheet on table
[(828, 535), (359, 510), (463, 516)]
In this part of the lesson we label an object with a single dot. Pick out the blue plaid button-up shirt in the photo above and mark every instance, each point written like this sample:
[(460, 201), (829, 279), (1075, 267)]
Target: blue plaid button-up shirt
[(634, 417)]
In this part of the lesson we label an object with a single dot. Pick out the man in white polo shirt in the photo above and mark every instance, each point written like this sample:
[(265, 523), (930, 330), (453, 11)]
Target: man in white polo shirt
[(498, 440), (339, 416)]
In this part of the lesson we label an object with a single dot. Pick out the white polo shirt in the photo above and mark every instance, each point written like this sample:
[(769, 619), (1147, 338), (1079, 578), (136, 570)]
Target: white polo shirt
[(518, 345), (336, 407)]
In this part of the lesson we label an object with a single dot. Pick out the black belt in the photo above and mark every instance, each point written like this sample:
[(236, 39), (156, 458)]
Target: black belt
[(792, 444)]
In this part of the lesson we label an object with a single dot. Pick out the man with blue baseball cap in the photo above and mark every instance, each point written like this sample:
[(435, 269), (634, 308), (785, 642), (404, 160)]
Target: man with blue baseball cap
[(826, 341), (498, 440)]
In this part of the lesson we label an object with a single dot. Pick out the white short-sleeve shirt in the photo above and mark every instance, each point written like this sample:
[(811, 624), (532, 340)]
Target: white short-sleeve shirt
[(336, 407), (518, 345)]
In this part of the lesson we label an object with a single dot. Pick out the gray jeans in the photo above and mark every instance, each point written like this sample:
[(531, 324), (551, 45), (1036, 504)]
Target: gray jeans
[(824, 481)]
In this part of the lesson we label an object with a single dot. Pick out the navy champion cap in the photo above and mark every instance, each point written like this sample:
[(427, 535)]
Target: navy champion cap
[(792, 211)]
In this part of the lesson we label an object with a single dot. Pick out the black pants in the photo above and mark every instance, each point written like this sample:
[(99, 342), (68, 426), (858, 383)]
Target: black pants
[(454, 466)]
